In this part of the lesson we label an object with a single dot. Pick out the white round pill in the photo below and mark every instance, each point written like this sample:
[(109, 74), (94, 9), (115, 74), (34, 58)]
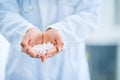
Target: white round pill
[(43, 48)]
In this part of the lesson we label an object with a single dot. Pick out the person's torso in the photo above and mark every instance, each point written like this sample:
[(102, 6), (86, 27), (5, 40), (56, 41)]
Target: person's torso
[(43, 13)]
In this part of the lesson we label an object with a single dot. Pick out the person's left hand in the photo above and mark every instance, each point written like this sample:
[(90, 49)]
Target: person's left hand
[(53, 36)]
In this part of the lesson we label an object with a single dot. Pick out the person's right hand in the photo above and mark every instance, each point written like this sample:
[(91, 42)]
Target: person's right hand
[(32, 37)]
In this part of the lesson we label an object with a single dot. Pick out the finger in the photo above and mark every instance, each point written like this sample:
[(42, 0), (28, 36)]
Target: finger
[(59, 47), (60, 43), (32, 53), (24, 43), (43, 58), (39, 55), (48, 54), (52, 52)]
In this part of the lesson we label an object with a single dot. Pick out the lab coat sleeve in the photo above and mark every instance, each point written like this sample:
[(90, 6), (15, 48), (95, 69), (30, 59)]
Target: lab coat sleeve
[(77, 27), (12, 25)]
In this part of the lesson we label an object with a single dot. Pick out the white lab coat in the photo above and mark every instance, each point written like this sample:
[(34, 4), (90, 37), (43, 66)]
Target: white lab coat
[(75, 19)]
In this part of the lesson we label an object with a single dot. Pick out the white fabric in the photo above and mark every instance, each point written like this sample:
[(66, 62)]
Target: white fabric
[(75, 19)]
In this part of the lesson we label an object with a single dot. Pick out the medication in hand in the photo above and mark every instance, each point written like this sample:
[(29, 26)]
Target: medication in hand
[(42, 48)]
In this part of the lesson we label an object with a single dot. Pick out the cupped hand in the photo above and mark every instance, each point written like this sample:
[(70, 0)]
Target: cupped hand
[(53, 36), (32, 37)]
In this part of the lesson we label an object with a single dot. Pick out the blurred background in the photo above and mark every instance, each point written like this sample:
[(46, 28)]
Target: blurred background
[(103, 46)]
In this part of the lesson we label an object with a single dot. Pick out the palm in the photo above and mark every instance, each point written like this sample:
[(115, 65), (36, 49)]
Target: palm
[(35, 37), (32, 37), (53, 36)]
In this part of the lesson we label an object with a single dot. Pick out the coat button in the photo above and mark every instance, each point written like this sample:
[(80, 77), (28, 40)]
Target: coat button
[(31, 8)]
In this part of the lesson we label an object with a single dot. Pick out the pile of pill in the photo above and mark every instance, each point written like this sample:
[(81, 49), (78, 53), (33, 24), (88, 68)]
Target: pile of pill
[(42, 48)]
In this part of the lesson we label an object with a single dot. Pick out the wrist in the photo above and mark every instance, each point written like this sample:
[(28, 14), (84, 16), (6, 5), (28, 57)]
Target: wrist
[(50, 28), (32, 29)]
